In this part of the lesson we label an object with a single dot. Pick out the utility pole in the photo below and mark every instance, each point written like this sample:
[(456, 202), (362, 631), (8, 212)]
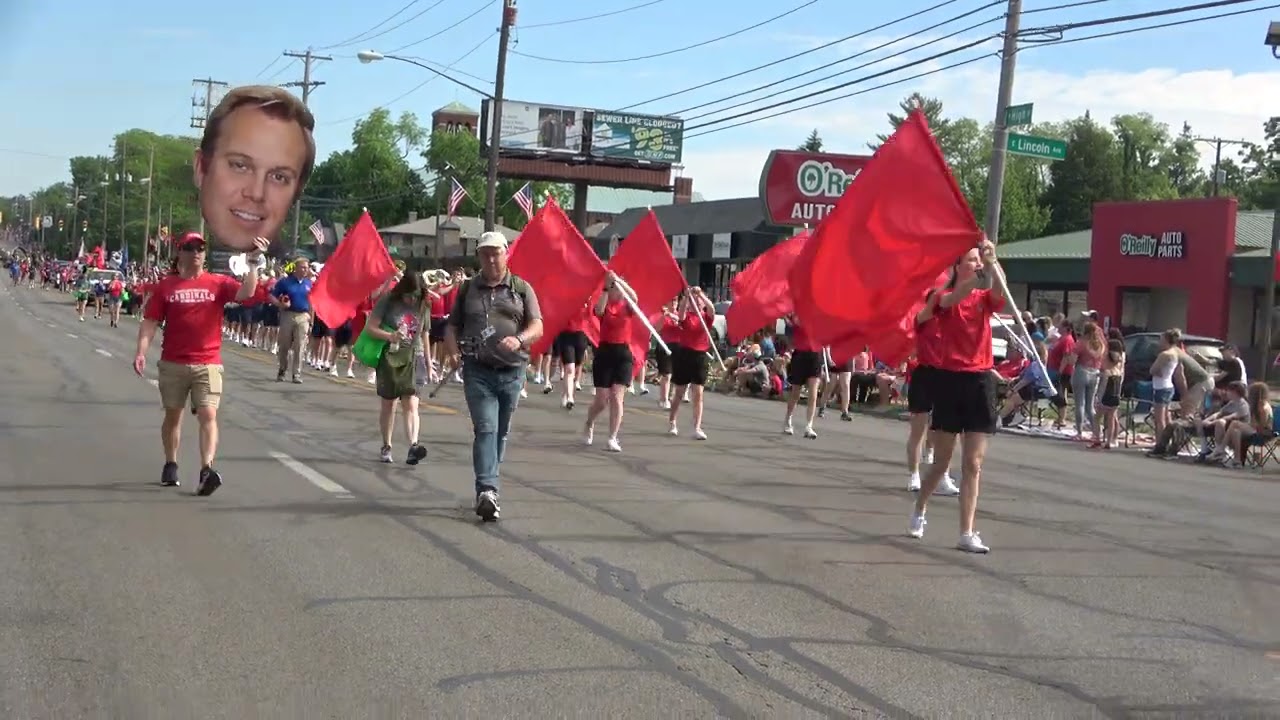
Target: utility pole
[(307, 84), (146, 231), (124, 179), (1000, 141), (200, 110), (495, 134), (1217, 157)]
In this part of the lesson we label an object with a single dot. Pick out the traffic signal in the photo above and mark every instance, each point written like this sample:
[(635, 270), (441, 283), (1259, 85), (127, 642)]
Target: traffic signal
[(60, 224)]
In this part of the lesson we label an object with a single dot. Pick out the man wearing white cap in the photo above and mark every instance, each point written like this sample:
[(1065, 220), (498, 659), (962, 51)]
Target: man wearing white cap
[(495, 320)]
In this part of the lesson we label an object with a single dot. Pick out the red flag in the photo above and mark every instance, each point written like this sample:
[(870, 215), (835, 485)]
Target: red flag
[(762, 291), (357, 267), (644, 261), (900, 224), (564, 271)]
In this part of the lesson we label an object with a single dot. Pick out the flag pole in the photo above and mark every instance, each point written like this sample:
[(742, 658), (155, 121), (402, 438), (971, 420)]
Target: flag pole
[(1017, 319), (636, 309)]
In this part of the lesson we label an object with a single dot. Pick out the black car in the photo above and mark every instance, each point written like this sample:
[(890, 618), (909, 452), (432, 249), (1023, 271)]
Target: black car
[(1140, 350)]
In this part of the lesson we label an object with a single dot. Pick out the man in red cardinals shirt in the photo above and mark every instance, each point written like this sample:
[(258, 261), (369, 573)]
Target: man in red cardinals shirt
[(189, 303)]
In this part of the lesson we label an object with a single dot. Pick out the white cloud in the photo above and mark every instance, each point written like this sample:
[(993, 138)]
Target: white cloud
[(1217, 103)]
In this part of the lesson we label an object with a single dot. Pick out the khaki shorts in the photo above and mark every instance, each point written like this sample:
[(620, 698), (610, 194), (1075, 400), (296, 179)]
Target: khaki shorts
[(201, 383), (1193, 399)]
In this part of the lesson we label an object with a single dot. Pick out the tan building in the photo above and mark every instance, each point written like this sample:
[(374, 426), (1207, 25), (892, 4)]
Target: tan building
[(434, 238)]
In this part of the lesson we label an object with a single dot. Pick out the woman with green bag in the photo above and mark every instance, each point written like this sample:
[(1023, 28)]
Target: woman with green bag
[(396, 322)]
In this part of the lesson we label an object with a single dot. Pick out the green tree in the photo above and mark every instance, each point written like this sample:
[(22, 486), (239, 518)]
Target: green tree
[(1181, 164), (1090, 173), (1022, 215), (372, 174), (456, 155), (1142, 144), (813, 143), (949, 139)]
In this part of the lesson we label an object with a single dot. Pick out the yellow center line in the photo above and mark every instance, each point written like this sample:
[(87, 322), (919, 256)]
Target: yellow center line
[(422, 403)]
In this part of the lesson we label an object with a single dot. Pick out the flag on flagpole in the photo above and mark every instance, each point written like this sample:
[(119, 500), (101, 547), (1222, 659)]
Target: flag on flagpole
[(317, 230), (455, 197), (524, 198)]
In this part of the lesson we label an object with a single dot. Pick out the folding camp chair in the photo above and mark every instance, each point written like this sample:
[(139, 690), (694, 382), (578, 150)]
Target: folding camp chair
[(1137, 412), (1257, 456)]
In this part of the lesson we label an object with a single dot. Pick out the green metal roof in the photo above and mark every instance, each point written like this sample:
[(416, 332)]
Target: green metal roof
[(615, 201), (1253, 229), (1067, 246), (1253, 232), (457, 108)]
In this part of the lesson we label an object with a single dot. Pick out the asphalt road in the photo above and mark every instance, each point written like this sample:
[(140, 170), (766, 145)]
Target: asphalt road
[(754, 575)]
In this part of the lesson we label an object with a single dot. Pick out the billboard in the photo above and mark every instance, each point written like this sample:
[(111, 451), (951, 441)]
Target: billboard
[(799, 188), (624, 136), (533, 127), (555, 130)]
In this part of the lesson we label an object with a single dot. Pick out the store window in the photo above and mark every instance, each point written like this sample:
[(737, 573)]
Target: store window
[(1045, 303), (1135, 311)]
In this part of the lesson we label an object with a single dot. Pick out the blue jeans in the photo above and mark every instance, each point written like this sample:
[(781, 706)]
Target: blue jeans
[(492, 395)]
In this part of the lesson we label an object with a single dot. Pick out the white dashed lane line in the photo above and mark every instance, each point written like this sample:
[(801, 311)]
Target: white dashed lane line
[(154, 382), (73, 336), (102, 352), (311, 476)]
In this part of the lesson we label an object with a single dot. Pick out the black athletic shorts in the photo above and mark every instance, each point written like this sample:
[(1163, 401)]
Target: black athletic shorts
[(844, 367), (1111, 392), (319, 329), (664, 359), (612, 365), (964, 402), (573, 347), (919, 392), (805, 365), (342, 336), (436, 332), (688, 367)]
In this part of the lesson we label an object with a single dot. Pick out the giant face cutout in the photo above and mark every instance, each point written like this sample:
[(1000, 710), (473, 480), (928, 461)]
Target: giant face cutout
[(252, 177)]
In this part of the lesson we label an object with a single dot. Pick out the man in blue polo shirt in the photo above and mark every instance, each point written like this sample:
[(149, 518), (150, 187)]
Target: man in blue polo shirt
[(292, 294)]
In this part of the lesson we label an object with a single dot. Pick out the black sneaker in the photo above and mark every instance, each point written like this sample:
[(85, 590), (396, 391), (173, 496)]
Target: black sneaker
[(209, 483), (169, 475), (487, 506), (280, 376), (845, 416), (416, 454)]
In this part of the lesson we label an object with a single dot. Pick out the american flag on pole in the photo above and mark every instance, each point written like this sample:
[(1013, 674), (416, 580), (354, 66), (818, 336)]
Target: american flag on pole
[(524, 198), (318, 231), (455, 197)]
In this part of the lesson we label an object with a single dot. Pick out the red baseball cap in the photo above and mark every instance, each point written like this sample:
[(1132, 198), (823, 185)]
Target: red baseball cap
[(190, 241)]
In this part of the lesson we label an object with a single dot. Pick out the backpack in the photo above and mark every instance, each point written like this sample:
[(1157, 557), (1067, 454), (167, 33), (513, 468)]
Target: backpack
[(517, 283)]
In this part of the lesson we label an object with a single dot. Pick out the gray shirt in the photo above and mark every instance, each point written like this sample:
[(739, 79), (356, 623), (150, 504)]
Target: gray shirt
[(485, 314)]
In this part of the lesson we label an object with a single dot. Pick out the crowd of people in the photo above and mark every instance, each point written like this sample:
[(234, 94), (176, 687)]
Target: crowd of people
[(485, 332)]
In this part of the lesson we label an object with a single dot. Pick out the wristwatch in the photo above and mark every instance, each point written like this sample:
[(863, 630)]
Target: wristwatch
[(524, 344)]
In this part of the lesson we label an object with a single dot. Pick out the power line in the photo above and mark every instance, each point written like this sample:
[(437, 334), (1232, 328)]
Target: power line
[(881, 86), (395, 27), (1129, 18), (611, 13), (1065, 6), (420, 85), (855, 56), (665, 53), (843, 85), (485, 6), (358, 36), (1064, 28), (827, 101), (779, 61)]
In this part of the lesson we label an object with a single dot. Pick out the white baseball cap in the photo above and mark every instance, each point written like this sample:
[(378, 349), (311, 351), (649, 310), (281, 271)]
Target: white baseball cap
[(492, 240)]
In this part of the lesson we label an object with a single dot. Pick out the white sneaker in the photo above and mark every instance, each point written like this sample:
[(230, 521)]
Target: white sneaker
[(664, 405), (524, 392), (913, 484), (333, 371), (809, 434), (588, 435), (916, 528), (787, 428), (699, 435), (673, 430), (928, 457), (351, 373), (947, 487), (612, 445), (972, 542)]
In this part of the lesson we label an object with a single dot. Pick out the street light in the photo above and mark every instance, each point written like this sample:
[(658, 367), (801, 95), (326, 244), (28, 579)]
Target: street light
[(491, 182), (1273, 38)]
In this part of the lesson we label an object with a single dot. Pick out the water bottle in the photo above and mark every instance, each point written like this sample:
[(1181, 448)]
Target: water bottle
[(394, 346)]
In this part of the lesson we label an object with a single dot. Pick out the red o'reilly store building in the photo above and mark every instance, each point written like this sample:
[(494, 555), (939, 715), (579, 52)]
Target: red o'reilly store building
[(714, 240)]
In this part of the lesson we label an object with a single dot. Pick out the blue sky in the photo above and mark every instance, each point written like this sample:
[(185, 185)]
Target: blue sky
[(76, 72)]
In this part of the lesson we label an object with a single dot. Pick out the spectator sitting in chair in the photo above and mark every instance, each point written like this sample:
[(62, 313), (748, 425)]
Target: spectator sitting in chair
[(751, 377), (1257, 432), (1174, 435), (1030, 386)]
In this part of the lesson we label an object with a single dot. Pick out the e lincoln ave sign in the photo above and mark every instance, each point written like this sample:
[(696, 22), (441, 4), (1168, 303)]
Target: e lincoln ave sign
[(800, 188), (1169, 246)]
